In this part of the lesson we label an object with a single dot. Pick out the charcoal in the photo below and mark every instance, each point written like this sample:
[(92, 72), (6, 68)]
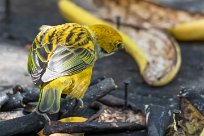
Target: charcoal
[(3, 98), (158, 118), (15, 101), (31, 94), (195, 96)]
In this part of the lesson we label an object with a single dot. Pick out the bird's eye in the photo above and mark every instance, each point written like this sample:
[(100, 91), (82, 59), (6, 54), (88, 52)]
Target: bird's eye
[(104, 51), (119, 45)]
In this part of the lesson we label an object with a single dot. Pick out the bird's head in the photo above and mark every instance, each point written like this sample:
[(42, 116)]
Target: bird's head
[(107, 38)]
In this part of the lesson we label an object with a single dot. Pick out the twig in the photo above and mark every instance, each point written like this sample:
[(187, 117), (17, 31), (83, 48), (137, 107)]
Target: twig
[(90, 127), (15, 101), (25, 124), (100, 107), (94, 92), (34, 122), (99, 90), (31, 94), (113, 101), (21, 97)]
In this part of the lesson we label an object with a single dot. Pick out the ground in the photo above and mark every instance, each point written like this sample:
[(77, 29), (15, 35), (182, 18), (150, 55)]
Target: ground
[(27, 16)]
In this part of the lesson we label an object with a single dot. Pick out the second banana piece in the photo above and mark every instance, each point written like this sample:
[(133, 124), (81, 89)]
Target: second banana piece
[(71, 12)]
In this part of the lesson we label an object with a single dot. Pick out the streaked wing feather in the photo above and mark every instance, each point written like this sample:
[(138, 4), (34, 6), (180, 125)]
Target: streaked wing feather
[(37, 63), (67, 61), (58, 51), (30, 64)]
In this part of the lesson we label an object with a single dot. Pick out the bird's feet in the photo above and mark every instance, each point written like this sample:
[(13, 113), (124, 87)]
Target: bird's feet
[(45, 116), (81, 103)]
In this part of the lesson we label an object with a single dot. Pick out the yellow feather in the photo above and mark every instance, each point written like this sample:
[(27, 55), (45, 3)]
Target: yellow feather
[(74, 86)]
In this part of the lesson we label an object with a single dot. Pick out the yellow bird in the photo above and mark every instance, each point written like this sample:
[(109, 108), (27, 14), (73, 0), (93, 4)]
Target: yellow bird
[(62, 58)]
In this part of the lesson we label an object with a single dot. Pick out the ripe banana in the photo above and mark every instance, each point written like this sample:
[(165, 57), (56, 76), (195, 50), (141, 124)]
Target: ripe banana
[(76, 14), (188, 31)]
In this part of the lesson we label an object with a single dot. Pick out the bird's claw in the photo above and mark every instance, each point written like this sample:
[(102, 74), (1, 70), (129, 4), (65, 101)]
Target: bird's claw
[(45, 116), (81, 103)]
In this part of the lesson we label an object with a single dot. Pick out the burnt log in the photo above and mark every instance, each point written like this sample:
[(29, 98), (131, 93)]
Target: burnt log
[(26, 124), (90, 127), (158, 118), (95, 92), (113, 101), (34, 122)]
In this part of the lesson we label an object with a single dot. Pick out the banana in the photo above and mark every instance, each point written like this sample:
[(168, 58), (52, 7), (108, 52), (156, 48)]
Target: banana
[(76, 14), (188, 31), (163, 52), (88, 19)]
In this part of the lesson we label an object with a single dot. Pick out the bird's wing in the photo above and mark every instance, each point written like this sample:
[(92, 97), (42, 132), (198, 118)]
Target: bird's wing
[(37, 61), (72, 53), (68, 61), (39, 56)]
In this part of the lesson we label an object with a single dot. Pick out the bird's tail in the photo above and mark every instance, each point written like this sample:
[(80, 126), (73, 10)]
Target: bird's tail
[(49, 101)]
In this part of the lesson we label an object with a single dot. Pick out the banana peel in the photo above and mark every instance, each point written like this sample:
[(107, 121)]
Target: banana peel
[(188, 31), (202, 133), (187, 122), (184, 25), (162, 51), (73, 13), (69, 119)]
